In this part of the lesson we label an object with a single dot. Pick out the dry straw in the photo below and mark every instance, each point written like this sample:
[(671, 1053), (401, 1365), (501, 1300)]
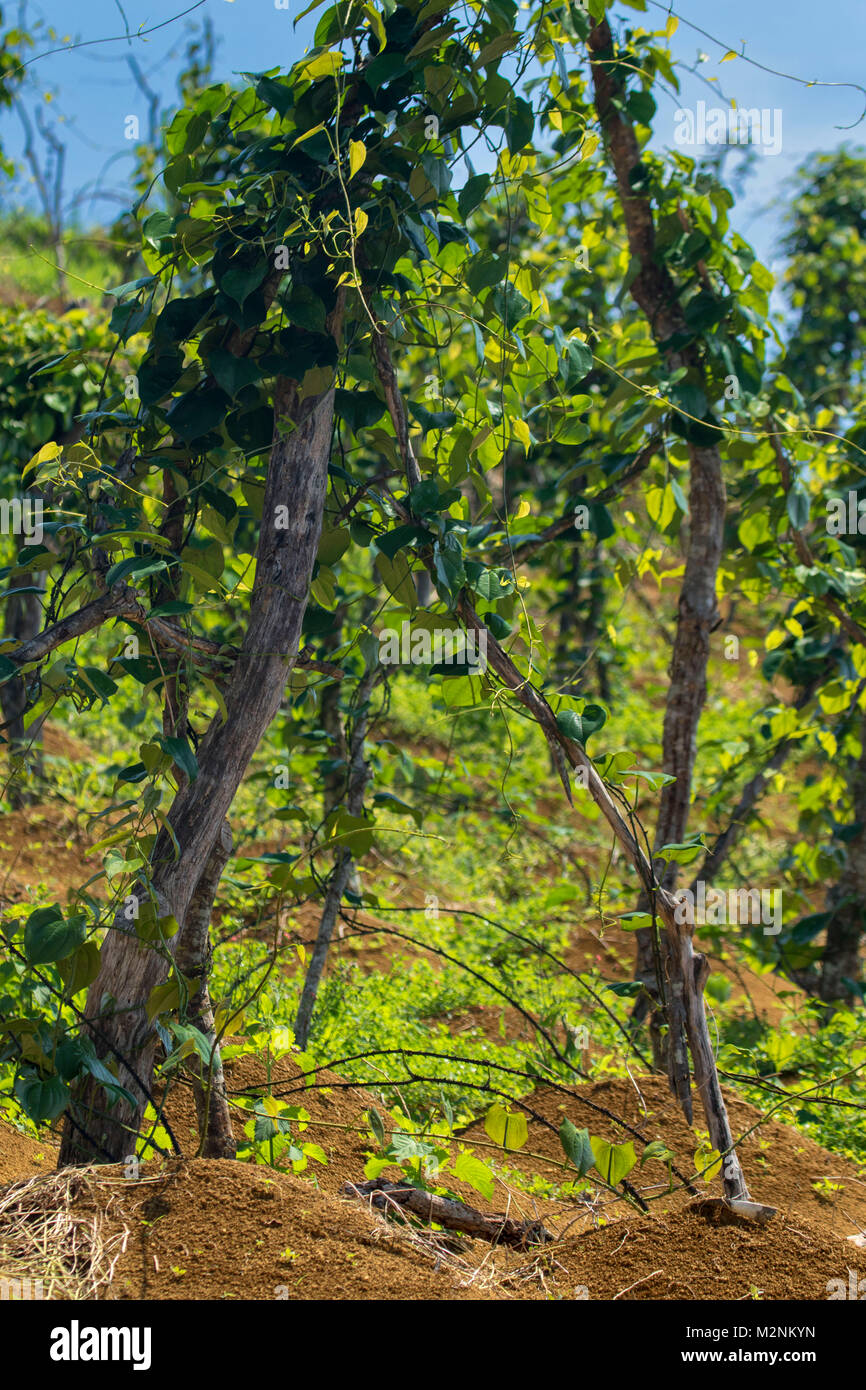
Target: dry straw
[(58, 1231)]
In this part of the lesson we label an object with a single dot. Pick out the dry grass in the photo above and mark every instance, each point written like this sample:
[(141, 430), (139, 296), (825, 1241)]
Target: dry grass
[(54, 1234)]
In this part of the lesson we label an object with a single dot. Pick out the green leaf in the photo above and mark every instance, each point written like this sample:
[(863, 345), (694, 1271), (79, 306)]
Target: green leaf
[(239, 281), (198, 413), (506, 1127), (149, 927), (81, 968), (635, 921), (424, 497), (400, 538), (384, 68), (499, 626), (708, 1161), (397, 578), (138, 566), (471, 1170), (641, 106), (264, 1129), (569, 723), (357, 155), (157, 226), (172, 608), (797, 505), (157, 375), (600, 521), (575, 363), (48, 936), (375, 1166), (432, 419), (579, 727), (306, 310), (326, 64), (377, 1125), (180, 752), (70, 1058), (448, 561), (324, 588), (251, 430), (577, 1146), (315, 1151), (359, 409), (232, 373), (473, 192), (162, 999), (684, 853), (354, 833), (625, 989), (657, 1150), (42, 1100), (509, 304), (519, 125), (613, 1161), (333, 544), (279, 95), (485, 270)]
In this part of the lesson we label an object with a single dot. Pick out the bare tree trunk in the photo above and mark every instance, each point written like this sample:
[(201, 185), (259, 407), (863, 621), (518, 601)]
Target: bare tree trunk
[(359, 773), (297, 480), (668, 966), (193, 960), (334, 778), (565, 655), (687, 692), (23, 619)]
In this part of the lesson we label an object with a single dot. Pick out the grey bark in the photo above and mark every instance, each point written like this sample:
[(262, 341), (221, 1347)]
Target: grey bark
[(193, 960), (661, 965), (359, 773), (297, 479), (23, 617)]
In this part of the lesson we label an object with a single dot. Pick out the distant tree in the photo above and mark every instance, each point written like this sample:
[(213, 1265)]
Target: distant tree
[(825, 279)]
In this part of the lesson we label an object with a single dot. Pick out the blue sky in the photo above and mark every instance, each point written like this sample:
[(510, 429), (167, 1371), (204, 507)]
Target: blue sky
[(94, 91)]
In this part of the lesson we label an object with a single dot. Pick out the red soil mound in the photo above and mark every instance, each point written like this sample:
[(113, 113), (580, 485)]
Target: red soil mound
[(218, 1230)]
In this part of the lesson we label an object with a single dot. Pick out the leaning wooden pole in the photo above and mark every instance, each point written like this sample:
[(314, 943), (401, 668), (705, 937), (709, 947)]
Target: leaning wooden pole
[(692, 967)]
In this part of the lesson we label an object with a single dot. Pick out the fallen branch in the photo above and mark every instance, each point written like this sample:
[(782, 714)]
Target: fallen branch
[(498, 1228)]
